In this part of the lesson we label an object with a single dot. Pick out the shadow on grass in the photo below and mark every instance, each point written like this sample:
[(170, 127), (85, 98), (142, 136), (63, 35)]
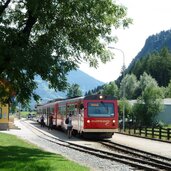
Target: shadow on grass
[(30, 159)]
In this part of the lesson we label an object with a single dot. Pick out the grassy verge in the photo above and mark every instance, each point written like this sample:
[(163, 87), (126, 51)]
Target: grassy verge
[(18, 155), (24, 114)]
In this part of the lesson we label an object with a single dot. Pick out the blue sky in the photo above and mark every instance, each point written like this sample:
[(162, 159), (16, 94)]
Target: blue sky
[(149, 17)]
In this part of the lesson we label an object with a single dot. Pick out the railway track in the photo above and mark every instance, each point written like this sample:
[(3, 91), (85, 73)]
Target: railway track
[(112, 151), (140, 156)]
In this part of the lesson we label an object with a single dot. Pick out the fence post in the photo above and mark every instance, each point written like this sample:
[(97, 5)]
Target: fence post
[(134, 130), (129, 130), (168, 133), (160, 133), (139, 130), (145, 131), (152, 132)]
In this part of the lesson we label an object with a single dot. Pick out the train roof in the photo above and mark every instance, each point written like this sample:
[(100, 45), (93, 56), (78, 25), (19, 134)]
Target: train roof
[(91, 97), (100, 96)]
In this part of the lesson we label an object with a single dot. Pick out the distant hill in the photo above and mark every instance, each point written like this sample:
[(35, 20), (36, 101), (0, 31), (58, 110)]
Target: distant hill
[(85, 81), (153, 43)]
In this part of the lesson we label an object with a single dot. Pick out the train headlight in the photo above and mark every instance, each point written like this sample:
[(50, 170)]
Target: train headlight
[(100, 97), (113, 121), (88, 121)]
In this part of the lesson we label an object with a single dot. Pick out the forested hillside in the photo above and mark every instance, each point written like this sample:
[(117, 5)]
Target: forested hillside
[(153, 43), (157, 64), (154, 58)]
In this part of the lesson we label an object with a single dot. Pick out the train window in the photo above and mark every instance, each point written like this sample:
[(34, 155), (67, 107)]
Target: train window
[(100, 109), (52, 110), (48, 110), (62, 110), (71, 107)]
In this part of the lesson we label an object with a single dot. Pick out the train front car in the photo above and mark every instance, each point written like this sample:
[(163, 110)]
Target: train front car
[(100, 116)]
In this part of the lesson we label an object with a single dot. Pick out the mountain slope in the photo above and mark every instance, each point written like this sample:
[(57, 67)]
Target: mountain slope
[(85, 81), (153, 43)]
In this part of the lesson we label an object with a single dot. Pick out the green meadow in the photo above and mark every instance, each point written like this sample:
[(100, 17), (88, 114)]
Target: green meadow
[(19, 155)]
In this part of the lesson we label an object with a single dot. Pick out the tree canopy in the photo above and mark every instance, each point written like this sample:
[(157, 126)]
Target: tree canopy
[(74, 91), (111, 89), (130, 84), (51, 37)]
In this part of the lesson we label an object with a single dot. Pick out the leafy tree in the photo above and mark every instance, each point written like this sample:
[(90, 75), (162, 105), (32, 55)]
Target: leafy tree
[(168, 90), (148, 106), (146, 81), (74, 90), (165, 92), (129, 84), (49, 38), (149, 101), (111, 89), (128, 109)]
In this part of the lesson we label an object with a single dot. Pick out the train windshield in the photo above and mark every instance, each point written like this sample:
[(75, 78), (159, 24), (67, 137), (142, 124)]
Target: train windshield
[(100, 109)]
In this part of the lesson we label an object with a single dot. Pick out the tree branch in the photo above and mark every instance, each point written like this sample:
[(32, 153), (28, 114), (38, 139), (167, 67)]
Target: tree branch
[(29, 24), (3, 7)]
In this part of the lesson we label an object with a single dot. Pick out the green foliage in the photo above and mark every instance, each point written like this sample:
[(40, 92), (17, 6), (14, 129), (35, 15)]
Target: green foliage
[(147, 81), (74, 91), (128, 109), (144, 82), (168, 90), (97, 90), (49, 38), (111, 89), (129, 84), (148, 106), (156, 64)]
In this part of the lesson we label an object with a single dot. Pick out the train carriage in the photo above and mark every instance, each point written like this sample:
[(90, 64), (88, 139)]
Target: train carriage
[(92, 116)]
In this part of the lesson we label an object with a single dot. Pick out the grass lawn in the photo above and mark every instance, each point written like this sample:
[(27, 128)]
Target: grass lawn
[(18, 155), (24, 114)]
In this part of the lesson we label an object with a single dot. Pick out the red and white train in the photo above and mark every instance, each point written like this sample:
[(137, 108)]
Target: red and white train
[(92, 116)]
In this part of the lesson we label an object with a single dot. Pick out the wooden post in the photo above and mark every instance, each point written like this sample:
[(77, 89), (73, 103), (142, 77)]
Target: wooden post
[(129, 130), (139, 130), (152, 132), (168, 133), (160, 132), (134, 130), (145, 131)]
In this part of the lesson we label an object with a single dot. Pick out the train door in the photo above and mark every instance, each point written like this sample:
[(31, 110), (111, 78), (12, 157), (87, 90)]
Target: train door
[(72, 109), (80, 117), (56, 109)]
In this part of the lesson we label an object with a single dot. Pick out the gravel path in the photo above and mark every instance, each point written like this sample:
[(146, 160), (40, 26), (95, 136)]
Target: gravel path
[(94, 163), (156, 147)]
